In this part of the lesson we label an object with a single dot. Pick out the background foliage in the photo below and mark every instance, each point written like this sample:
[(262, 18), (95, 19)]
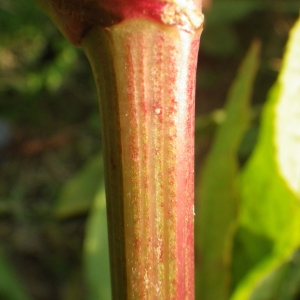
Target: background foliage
[(52, 209)]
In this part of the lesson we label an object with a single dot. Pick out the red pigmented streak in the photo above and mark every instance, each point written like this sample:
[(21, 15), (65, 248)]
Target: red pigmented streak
[(135, 8), (122, 6)]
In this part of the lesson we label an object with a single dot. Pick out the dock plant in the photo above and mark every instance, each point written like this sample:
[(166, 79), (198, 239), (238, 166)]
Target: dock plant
[(143, 54)]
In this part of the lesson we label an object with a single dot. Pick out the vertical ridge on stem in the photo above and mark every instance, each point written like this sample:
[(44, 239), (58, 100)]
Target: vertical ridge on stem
[(157, 113), (98, 50)]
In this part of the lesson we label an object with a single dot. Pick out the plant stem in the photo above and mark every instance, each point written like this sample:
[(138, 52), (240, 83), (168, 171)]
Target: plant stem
[(145, 77)]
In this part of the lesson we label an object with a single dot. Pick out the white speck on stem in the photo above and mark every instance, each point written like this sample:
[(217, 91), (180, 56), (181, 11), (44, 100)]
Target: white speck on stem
[(157, 111)]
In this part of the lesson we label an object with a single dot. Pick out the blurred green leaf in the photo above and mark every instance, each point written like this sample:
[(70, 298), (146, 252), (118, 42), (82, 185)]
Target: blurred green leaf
[(217, 200), (10, 287), (85, 192), (248, 143), (290, 287), (96, 255), (78, 194), (248, 249), (270, 183)]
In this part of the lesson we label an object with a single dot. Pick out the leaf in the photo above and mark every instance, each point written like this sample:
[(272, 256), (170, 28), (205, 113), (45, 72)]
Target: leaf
[(82, 193), (217, 195), (270, 183), (248, 249), (10, 287), (290, 287), (79, 192), (96, 255)]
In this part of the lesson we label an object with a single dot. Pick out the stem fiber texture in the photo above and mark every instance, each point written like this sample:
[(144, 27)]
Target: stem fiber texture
[(145, 77)]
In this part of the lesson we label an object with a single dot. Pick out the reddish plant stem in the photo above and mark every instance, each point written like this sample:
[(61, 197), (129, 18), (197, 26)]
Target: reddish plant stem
[(145, 76)]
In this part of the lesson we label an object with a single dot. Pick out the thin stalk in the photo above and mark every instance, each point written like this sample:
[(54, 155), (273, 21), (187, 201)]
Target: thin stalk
[(145, 77)]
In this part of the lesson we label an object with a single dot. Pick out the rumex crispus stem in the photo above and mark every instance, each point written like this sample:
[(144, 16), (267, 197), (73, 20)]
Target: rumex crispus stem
[(144, 54), (145, 77)]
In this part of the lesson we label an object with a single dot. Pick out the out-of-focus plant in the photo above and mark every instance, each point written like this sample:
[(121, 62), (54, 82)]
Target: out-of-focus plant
[(10, 286), (254, 238), (249, 220), (223, 15), (218, 201), (144, 56), (246, 217), (269, 183)]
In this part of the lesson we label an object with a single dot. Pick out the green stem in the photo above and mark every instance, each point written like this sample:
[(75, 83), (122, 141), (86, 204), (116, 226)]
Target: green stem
[(145, 77)]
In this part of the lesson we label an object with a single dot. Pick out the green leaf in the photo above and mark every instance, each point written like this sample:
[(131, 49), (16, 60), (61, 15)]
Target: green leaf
[(270, 183), (217, 195), (96, 255), (248, 249), (10, 286), (290, 287), (79, 192), (86, 192)]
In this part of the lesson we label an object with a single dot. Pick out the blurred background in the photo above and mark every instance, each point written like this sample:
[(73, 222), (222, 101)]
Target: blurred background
[(50, 132)]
